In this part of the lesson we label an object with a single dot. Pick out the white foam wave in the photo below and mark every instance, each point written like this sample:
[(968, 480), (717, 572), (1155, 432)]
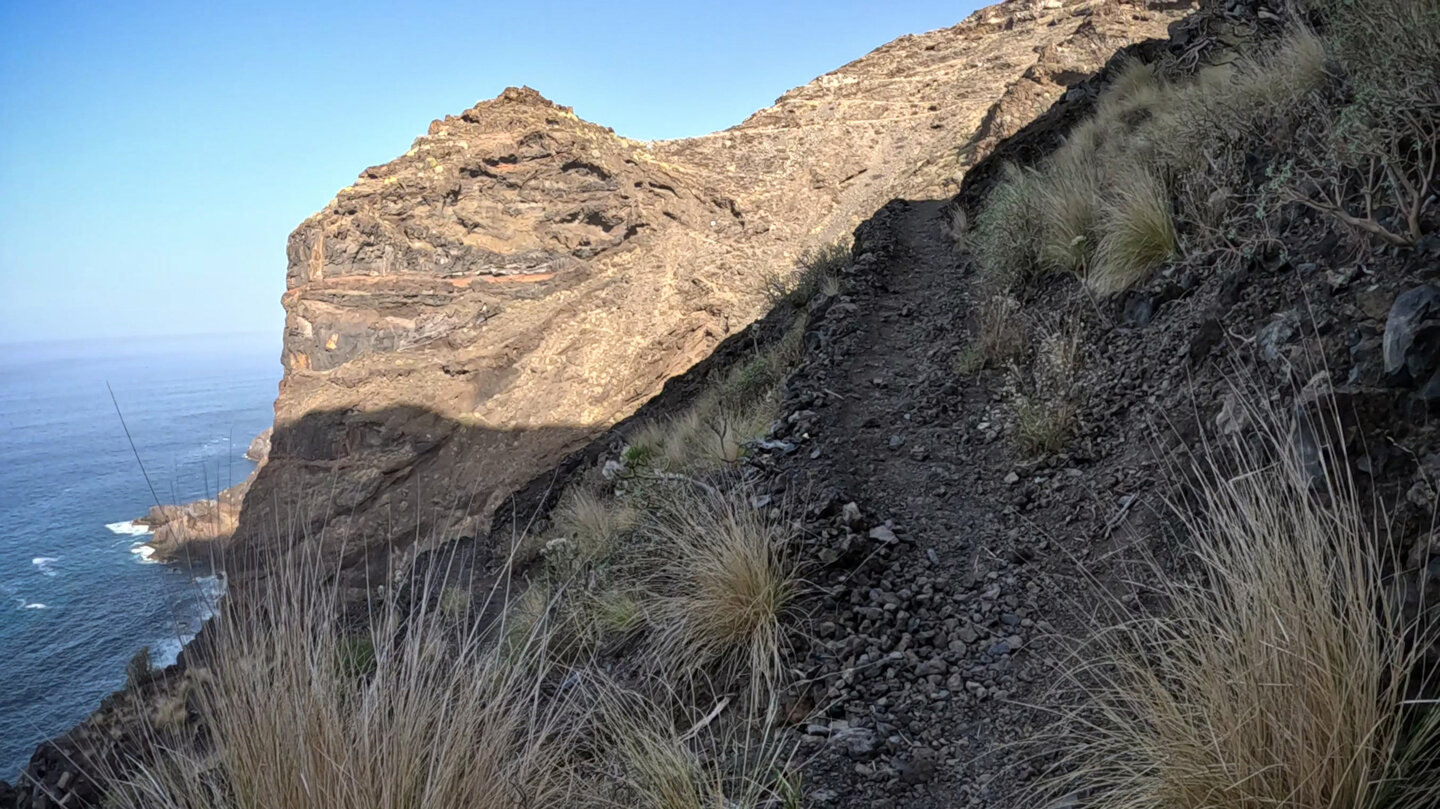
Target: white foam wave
[(33, 606), (143, 553), (129, 528), (43, 564), (166, 651), (212, 589)]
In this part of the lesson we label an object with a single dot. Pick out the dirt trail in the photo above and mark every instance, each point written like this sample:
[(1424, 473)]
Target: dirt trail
[(932, 651)]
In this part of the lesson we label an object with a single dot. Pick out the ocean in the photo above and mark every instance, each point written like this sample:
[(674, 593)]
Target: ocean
[(77, 601)]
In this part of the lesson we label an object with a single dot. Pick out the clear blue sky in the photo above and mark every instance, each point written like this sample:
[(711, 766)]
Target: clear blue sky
[(155, 156)]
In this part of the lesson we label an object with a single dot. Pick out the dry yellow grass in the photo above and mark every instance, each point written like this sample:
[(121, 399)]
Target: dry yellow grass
[(1277, 679), (719, 595), (299, 717), (592, 523), (1139, 233)]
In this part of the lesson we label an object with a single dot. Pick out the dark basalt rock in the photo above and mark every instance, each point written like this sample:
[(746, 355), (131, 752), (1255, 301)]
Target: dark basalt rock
[(1412, 340)]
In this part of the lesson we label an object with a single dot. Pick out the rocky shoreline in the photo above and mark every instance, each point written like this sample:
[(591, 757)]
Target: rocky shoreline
[(191, 532)]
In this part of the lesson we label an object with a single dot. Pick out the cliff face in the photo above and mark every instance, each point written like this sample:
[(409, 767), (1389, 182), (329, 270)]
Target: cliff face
[(462, 317)]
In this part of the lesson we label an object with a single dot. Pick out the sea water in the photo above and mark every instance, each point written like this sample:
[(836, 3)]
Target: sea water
[(78, 594)]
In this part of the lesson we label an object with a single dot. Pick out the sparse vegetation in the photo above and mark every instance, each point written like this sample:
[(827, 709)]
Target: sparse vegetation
[(1278, 676), (999, 337), (1045, 394), (816, 271), (293, 722), (736, 408), (1159, 170)]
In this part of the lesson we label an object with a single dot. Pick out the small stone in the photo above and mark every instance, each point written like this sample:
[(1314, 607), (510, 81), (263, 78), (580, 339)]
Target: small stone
[(1012, 479), (919, 767), (882, 533), (859, 743), (850, 513), (896, 442)]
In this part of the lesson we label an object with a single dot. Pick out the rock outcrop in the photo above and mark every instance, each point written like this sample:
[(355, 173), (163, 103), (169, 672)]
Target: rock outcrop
[(189, 533), (464, 316)]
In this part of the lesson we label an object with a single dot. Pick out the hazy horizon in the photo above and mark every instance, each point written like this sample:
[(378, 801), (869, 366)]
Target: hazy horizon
[(154, 159)]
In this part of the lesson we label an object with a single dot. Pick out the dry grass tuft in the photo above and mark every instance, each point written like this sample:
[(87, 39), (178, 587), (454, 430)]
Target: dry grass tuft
[(1045, 395), (1007, 233), (435, 718), (725, 583), (1139, 234), (999, 337), (1070, 212), (957, 225), (592, 523), (1043, 425), (1133, 95), (1278, 679), (702, 768)]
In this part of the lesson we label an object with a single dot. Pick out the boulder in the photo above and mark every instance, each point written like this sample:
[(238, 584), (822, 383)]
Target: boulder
[(259, 448), (1412, 340)]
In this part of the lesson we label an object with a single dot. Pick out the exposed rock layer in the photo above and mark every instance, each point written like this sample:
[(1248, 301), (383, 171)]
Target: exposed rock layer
[(530, 278)]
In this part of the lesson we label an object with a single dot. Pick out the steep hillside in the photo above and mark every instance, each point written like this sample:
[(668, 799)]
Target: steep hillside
[(526, 279)]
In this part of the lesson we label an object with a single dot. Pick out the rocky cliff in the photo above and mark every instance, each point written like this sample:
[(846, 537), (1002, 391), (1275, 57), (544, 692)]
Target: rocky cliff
[(465, 315)]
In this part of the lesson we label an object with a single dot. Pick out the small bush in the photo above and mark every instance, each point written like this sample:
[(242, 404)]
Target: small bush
[(816, 271), (138, 670), (1380, 148), (819, 268)]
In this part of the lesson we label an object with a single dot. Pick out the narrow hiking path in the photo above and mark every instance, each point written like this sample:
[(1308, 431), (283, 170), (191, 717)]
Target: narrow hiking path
[(933, 651)]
